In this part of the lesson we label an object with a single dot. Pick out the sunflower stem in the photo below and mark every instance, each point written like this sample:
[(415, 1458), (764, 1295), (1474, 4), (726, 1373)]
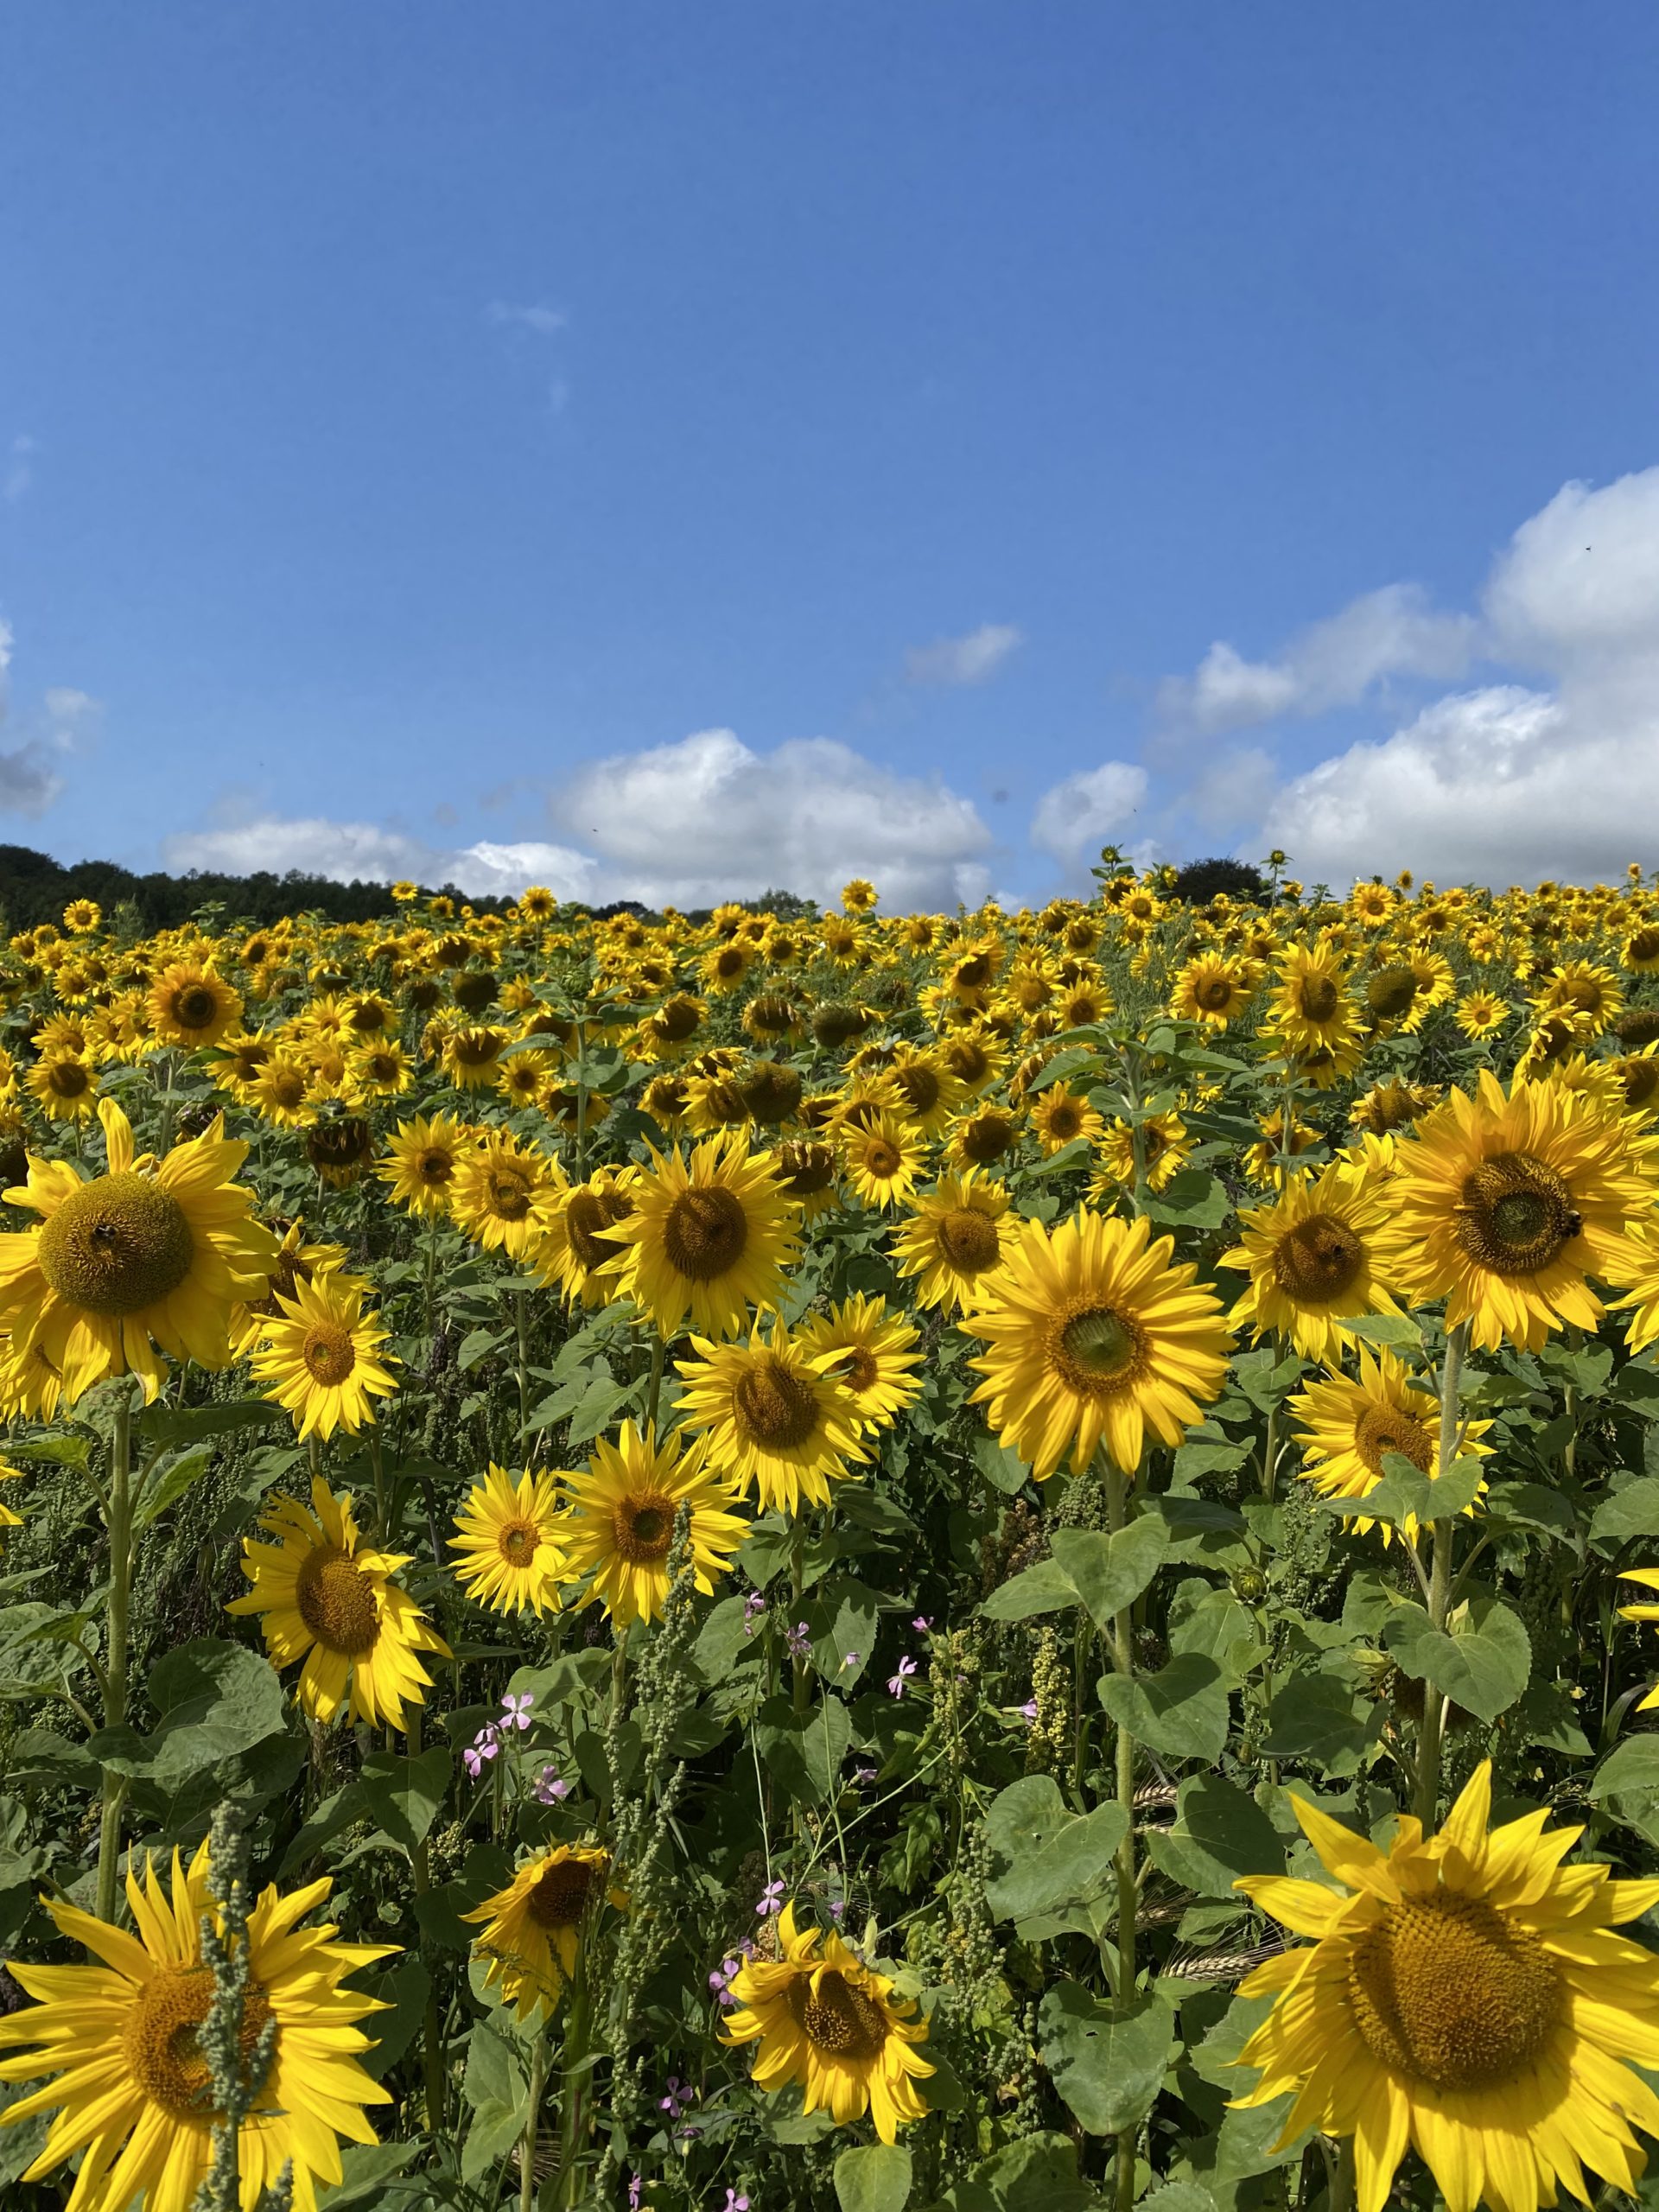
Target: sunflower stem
[(382, 1518), (575, 2071), (115, 1686), (1443, 1539), (431, 2031), (532, 2108), (1117, 1490), (521, 1327), (654, 1386)]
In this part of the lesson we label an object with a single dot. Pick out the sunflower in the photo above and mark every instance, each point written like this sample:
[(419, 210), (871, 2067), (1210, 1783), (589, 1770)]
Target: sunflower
[(143, 1255), (1481, 1013), (807, 1172), (322, 1356), (1401, 995), (1587, 993), (882, 1158), (81, 917), (280, 1092), (709, 1237), (469, 1055), (620, 1526), (66, 1087), (533, 1929), (574, 1251), (1312, 1258), (191, 1006), (509, 1550), (924, 1092), (377, 1068), (1060, 1116), (1166, 1146), (133, 2091), (1094, 1334), (1392, 1105), (1464, 1993), (957, 1233), (503, 1195), (826, 2021), (1311, 1008), (1503, 1206), (1211, 989), (1348, 1427), (979, 1139), (325, 1599), (29, 1383), (975, 1057), (875, 1353), (422, 1159), (1264, 1161), (778, 1416)]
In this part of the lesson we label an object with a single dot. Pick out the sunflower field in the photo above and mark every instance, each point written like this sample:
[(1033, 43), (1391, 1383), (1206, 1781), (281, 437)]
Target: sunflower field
[(833, 1562)]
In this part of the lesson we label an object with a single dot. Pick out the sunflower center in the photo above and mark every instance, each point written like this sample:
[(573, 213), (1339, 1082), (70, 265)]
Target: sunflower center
[(882, 1158), (969, 1240), (1645, 946), (1383, 1429), (336, 1599), (1317, 1260), (117, 1245), (160, 2043), (1390, 992), (68, 1078), (969, 1061), (644, 1525), (1640, 1078), (857, 1368), (1449, 1989), (805, 1169), (705, 1232), (1318, 997), (517, 1541), (1214, 994), (433, 1166), (1063, 1120), (779, 1408), (195, 1006), (328, 1353), (1096, 1351), (1516, 1215), (560, 1898), (838, 2018), (288, 1087), (586, 1214), (920, 1087), (509, 1194), (986, 1137)]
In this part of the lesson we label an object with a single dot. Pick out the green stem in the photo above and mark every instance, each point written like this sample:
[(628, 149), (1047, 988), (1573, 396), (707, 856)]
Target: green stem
[(1443, 1535), (571, 2115), (115, 1687), (797, 1590), (1128, 1888), (382, 1518), (521, 1324), (431, 2031), (527, 2141), (654, 1388)]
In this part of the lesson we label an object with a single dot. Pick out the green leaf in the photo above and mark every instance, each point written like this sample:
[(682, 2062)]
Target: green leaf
[(1397, 1331), (1406, 1493), (169, 1480), (1001, 1467), (365, 2170), (403, 1795), (1109, 1573), (215, 1699), (1045, 1588), (174, 1425), (873, 2177), (1054, 1858), (600, 1402), (1108, 2064), (1037, 2174), (1079, 1152), (1484, 1667), (1219, 1833), (1632, 1510), (404, 1985), (1317, 1717), (1194, 1200), (1627, 1783), (1211, 1621), (1071, 1062), (1180, 1713), (476, 1344)]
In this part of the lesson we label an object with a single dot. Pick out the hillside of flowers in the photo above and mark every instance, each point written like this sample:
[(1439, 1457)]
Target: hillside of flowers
[(840, 1562)]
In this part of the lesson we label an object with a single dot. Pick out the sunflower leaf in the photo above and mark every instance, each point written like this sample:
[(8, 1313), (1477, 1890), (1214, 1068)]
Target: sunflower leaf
[(1180, 1713), (1054, 1858), (404, 1794), (873, 2177), (1108, 2064), (1109, 1573)]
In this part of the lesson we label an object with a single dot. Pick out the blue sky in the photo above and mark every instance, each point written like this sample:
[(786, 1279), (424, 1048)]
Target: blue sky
[(665, 448)]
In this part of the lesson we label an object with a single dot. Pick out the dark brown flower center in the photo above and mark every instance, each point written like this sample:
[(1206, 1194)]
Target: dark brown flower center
[(705, 1232), (778, 1407), (116, 1245), (837, 2016), (1450, 1991), (1516, 1215), (160, 2042), (336, 1599), (560, 1897), (1317, 1260)]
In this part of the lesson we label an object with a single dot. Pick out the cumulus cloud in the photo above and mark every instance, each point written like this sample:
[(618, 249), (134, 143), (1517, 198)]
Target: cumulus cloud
[(955, 662), (28, 779), (1390, 633), (1510, 783), (1075, 818), (686, 824)]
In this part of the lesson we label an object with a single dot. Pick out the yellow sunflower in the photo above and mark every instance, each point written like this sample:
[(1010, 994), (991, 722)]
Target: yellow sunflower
[(1311, 1008), (503, 1195), (143, 1255), (509, 1553), (619, 1525), (881, 1157), (1348, 1427), (978, 1139), (7, 1518), (708, 1238), (133, 2093), (875, 1356), (1095, 1334), (1401, 995), (958, 1232), (777, 1417), (1504, 1206), (1166, 1146), (1648, 1577), (328, 1601), (1312, 1257), (1211, 989), (807, 1172), (1060, 1116), (422, 1159), (1467, 1995), (280, 1091), (533, 1929), (66, 1087), (322, 1356), (191, 1006), (1481, 1013), (469, 1055), (574, 1251), (825, 2021)]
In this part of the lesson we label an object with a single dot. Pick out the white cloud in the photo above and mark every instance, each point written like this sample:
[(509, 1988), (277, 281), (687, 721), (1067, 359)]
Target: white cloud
[(20, 470), (687, 824), (544, 321), (958, 661), (29, 781), (1073, 819), (1507, 783), (1393, 632)]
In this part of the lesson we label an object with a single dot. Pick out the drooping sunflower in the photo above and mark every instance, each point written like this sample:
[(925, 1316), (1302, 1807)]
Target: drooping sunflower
[(1348, 1428), (422, 1159), (777, 1417), (145, 1254), (824, 2020), (1212, 989), (1312, 1258), (710, 1237), (533, 1929), (509, 1554), (1467, 1995), (327, 1600), (807, 1171), (503, 1195), (191, 1005), (620, 1525), (1504, 1205), (1094, 1334), (881, 1157), (573, 1251), (133, 2092), (958, 1232), (322, 1356), (875, 1356)]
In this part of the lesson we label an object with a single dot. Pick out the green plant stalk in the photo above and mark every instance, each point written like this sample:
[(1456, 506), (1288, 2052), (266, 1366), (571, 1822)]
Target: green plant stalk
[(797, 1591), (521, 1325), (431, 2027), (654, 1388), (532, 2110), (571, 2116), (1444, 1537), (115, 1669), (1127, 1887)]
